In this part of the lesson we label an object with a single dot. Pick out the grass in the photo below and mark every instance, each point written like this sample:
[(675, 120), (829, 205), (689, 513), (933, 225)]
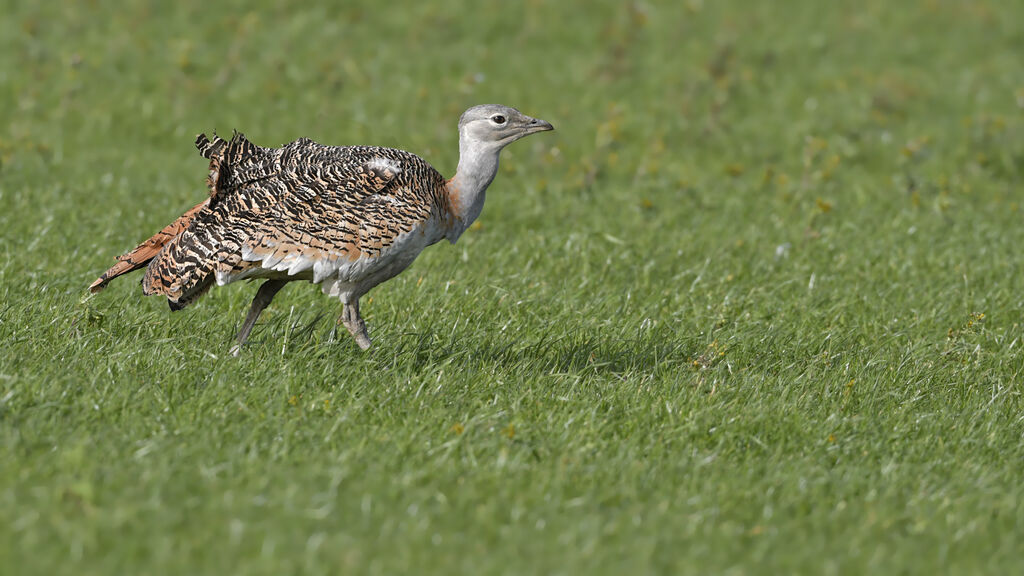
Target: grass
[(754, 307)]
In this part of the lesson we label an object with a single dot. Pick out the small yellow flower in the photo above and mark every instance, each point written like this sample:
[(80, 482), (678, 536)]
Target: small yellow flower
[(734, 169)]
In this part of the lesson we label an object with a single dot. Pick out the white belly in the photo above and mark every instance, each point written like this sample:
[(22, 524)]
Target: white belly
[(351, 279)]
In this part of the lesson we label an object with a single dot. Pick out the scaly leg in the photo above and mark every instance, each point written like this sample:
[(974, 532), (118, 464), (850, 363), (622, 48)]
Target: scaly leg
[(356, 327), (263, 297)]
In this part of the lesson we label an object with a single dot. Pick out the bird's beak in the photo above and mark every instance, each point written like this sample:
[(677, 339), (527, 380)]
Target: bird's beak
[(537, 125)]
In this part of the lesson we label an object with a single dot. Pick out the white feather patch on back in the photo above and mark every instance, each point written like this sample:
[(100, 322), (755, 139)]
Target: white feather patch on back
[(389, 199), (384, 164)]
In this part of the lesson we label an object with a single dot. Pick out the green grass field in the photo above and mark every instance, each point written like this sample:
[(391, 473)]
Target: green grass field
[(754, 308)]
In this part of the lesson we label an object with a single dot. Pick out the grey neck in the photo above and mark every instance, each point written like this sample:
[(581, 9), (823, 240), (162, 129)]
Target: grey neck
[(478, 164)]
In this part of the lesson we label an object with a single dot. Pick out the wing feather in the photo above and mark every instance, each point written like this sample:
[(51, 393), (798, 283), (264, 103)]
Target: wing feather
[(301, 210), (329, 206)]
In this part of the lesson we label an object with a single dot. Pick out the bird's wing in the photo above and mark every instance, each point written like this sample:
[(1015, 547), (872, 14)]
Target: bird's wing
[(324, 207), (301, 209)]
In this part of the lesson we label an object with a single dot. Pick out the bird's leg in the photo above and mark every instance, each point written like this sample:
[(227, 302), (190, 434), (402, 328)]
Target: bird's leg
[(263, 297), (356, 327)]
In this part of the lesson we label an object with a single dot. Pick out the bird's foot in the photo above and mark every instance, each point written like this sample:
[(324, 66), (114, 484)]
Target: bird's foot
[(354, 323), (362, 340), (357, 328)]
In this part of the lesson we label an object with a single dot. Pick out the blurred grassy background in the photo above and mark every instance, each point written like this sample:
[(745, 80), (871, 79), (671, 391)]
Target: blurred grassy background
[(755, 306)]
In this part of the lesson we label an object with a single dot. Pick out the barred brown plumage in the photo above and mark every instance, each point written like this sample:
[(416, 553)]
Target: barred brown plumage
[(347, 217)]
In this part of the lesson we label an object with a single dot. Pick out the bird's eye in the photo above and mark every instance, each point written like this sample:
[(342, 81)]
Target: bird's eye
[(498, 119)]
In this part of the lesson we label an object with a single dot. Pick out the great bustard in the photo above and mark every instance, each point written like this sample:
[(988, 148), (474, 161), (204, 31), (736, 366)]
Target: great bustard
[(347, 217)]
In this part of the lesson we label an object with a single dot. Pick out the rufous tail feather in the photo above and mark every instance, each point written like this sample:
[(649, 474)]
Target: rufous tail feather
[(143, 253)]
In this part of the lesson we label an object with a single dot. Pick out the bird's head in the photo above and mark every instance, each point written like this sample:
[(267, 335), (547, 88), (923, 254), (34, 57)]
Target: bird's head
[(497, 126)]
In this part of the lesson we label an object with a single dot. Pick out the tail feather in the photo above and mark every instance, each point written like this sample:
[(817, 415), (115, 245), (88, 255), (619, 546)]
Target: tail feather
[(215, 152), (145, 252), (181, 259), (207, 148), (224, 157), (185, 299), (184, 269)]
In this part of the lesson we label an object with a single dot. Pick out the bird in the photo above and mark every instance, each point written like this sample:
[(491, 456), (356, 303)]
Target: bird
[(345, 217)]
